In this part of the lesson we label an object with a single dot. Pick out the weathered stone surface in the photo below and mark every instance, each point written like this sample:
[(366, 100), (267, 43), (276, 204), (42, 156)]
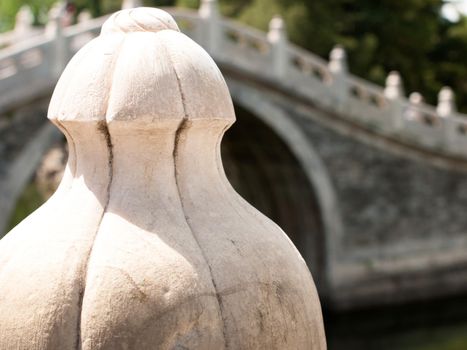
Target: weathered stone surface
[(145, 245)]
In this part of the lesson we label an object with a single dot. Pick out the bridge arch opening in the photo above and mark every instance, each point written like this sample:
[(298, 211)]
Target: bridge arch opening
[(263, 169)]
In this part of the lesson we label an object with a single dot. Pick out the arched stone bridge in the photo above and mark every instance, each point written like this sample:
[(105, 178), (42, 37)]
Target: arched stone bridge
[(371, 186)]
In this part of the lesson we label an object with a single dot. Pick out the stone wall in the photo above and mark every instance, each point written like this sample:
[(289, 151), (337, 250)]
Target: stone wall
[(389, 198)]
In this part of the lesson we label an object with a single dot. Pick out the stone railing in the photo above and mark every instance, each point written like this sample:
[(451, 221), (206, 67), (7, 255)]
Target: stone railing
[(35, 64)]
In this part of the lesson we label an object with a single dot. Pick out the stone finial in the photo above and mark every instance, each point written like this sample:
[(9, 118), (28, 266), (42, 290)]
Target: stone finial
[(446, 102), (394, 88), (413, 111), (55, 15), (210, 34), (24, 20), (129, 4), (84, 16), (277, 37), (416, 98), (209, 9), (338, 67), (338, 60), (58, 18), (277, 30), (145, 245)]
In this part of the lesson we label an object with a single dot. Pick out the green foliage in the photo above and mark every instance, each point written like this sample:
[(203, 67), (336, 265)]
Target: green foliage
[(394, 35), (409, 36), (9, 8), (40, 8)]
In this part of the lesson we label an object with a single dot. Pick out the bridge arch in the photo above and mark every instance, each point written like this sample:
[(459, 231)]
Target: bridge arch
[(318, 229)]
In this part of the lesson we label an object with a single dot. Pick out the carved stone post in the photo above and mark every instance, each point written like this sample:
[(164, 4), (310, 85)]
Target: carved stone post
[(145, 245), (24, 22), (84, 16), (277, 37), (447, 108), (414, 112), (129, 4), (54, 30), (339, 69), (394, 92), (446, 102), (210, 29)]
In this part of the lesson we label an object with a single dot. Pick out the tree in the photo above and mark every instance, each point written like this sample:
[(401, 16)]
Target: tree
[(40, 8), (410, 36), (9, 9)]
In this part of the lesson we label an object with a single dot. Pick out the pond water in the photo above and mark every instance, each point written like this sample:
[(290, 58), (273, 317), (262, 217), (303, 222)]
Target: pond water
[(433, 325)]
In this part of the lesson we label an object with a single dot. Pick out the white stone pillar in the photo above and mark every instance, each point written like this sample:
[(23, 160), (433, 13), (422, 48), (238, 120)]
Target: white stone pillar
[(416, 100), (339, 70), (394, 93), (129, 4), (84, 16), (210, 35), (445, 109), (394, 88), (277, 37), (446, 102), (54, 30), (24, 22)]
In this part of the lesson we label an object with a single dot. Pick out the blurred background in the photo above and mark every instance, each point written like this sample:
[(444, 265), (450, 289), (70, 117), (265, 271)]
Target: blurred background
[(350, 134)]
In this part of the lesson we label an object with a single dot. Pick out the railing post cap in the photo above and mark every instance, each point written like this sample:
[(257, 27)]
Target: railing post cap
[(446, 102), (57, 11), (338, 59), (277, 30), (209, 9), (129, 4), (55, 16), (24, 18), (416, 98), (338, 53), (446, 94), (277, 23), (393, 78), (84, 16), (394, 86)]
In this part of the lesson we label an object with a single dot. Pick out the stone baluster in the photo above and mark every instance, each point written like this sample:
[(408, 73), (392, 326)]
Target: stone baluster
[(24, 22), (446, 102), (277, 37), (394, 88), (339, 70), (129, 4), (210, 35), (54, 30), (145, 244), (416, 100), (394, 93), (445, 109)]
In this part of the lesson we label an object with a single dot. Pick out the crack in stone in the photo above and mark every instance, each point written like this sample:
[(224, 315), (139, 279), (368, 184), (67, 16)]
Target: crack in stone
[(104, 130), (184, 125)]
